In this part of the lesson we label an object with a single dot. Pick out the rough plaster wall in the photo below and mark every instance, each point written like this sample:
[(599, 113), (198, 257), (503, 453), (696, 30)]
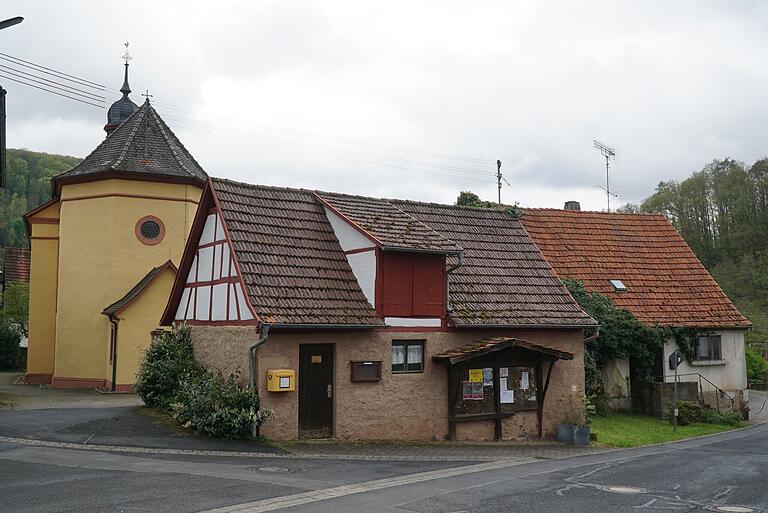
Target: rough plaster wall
[(400, 406), (224, 349)]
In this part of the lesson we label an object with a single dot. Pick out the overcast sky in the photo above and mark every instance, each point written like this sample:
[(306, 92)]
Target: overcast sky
[(342, 96)]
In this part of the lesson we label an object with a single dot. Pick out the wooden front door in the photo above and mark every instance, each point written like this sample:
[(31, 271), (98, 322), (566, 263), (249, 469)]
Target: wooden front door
[(316, 390)]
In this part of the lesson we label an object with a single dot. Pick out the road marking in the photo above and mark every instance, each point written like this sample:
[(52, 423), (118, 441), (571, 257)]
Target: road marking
[(300, 499)]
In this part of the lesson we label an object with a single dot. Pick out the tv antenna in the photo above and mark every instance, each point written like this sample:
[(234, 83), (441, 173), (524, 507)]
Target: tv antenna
[(609, 153)]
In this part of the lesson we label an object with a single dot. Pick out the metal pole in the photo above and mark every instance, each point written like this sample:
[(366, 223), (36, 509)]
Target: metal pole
[(674, 399), (498, 178), (607, 184)]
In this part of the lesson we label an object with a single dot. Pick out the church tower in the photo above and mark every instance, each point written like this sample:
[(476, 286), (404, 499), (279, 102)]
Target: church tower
[(105, 250)]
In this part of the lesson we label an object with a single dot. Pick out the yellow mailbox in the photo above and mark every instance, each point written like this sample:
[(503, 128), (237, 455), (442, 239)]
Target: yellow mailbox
[(281, 380)]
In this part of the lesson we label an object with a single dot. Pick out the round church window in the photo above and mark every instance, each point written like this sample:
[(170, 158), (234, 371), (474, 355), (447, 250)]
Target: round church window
[(150, 230)]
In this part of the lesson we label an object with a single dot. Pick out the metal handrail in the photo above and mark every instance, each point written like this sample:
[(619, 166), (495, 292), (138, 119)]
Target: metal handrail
[(720, 392)]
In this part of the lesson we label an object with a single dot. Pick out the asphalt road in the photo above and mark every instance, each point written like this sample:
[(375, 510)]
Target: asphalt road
[(699, 475)]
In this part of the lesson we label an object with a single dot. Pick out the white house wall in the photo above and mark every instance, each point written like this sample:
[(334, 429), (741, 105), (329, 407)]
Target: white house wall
[(730, 373), (349, 238), (364, 268), (363, 263)]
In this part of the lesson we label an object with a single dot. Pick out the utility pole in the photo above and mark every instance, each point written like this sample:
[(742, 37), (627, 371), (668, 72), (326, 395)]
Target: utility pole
[(498, 178), (608, 153), (5, 24)]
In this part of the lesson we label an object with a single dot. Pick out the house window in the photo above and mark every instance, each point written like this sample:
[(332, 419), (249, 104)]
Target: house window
[(408, 356), (709, 348), (150, 230)]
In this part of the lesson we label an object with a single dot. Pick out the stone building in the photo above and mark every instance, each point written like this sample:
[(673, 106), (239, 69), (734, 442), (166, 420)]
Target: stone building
[(364, 318)]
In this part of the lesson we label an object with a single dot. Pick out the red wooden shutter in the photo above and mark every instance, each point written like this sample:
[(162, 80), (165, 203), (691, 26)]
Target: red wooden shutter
[(428, 285), (397, 284)]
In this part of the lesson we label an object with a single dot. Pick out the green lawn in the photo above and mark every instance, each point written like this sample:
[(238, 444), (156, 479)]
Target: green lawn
[(626, 430)]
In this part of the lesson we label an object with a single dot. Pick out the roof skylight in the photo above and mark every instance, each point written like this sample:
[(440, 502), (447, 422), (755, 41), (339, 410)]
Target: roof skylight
[(618, 285)]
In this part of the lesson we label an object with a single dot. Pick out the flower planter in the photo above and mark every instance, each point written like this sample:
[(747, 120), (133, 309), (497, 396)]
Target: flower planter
[(573, 434)]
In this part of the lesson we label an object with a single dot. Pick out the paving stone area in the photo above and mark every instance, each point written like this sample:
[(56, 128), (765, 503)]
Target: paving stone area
[(37, 397)]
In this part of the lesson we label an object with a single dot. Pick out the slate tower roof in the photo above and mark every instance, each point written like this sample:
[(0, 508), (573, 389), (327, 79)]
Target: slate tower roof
[(141, 147), (122, 108)]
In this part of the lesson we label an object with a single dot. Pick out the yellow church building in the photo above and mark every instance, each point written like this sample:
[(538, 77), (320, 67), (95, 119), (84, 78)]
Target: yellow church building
[(105, 249)]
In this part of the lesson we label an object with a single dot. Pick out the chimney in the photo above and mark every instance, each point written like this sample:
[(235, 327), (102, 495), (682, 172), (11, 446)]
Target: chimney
[(572, 205)]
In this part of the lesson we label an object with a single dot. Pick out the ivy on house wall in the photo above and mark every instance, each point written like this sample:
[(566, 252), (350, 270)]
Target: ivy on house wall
[(621, 336)]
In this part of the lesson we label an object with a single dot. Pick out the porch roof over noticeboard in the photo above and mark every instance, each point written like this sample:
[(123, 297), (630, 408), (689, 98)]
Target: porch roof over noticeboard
[(493, 344)]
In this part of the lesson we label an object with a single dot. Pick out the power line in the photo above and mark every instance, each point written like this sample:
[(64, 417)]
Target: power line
[(302, 144), (308, 144), (49, 71), (208, 129), (323, 137), (49, 83), (49, 91)]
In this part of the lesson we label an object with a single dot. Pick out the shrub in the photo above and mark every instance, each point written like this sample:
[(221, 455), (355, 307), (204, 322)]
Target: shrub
[(167, 360), (218, 407), (756, 365), (715, 417), (690, 411), (10, 351)]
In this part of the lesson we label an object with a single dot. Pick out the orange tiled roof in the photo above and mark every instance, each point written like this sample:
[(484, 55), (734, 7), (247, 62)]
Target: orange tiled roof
[(666, 283)]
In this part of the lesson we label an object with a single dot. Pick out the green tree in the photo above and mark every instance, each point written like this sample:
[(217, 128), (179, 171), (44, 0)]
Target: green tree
[(15, 312), (470, 199)]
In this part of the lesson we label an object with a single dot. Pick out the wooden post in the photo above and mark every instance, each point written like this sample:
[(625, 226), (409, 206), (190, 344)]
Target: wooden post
[(540, 411), (497, 397), (451, 404)]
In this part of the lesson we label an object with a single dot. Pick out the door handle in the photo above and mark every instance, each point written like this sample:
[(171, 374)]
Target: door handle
[(329, 390)]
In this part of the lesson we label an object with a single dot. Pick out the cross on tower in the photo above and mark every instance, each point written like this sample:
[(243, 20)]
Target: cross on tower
[(147, 95)]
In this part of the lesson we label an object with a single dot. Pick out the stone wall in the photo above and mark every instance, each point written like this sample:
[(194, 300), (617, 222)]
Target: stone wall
[(224, 349), (400, 406)]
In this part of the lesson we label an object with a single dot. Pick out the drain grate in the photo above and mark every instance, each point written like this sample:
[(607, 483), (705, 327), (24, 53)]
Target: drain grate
[(273, 470)]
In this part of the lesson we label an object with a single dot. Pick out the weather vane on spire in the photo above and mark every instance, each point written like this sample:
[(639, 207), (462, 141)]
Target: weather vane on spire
[(126, 56)]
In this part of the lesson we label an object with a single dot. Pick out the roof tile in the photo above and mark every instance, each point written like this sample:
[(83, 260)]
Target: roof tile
[(666, 283)]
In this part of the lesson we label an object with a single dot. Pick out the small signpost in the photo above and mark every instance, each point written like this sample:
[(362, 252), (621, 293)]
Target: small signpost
[(675, 359)]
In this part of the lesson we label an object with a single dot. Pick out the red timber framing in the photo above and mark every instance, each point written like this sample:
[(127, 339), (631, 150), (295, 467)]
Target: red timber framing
[(209, 288)]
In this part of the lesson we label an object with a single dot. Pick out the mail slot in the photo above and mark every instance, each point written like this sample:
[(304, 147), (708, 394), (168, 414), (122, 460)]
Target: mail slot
[(281, 380)]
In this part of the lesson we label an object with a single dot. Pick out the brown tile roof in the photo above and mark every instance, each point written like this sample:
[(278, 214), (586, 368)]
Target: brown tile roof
[(143, 144), (504, 280), (292, 264), (137, 289), (492, 344), (389, 225), (16, 265), (666, 283)]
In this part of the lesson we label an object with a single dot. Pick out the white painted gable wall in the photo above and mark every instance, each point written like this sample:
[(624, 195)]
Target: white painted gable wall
[(363, 264)]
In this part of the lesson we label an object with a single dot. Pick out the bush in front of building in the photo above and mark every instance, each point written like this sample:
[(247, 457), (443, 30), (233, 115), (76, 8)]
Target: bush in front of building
[(167, 362), (170, 379), (689, 412), (215, 406), (10, 350)]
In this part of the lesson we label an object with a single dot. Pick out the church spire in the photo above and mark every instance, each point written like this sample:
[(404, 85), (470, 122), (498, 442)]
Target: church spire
[(124, 107), (126, 89)]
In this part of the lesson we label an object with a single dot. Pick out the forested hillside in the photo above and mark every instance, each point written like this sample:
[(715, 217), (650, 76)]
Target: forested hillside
[(28, 184), (722, 213)]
